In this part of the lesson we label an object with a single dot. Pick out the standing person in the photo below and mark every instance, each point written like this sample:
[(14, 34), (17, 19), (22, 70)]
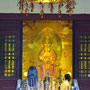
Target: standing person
[(46, 83), (31, 83), (65, 85), (75, 85)]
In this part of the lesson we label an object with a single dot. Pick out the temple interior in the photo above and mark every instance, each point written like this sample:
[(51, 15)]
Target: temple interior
[(44, 45)]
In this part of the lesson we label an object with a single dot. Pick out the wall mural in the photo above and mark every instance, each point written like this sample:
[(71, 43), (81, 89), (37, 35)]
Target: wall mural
[(47, 45)]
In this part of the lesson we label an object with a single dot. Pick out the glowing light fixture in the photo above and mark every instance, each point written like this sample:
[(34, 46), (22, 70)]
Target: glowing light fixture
[(25, 73), (27, 6)]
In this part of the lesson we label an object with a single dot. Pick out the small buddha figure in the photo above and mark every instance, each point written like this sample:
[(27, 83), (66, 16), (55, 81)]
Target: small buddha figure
[(32, 82)]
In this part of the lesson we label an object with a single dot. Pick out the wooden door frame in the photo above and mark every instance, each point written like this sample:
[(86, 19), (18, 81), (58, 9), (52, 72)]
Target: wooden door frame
[(17, 16)]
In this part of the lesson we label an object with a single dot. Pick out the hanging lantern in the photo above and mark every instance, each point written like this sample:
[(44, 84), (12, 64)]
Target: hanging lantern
[(32, 6), (42, 10), (51, 7), (26, 5)]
